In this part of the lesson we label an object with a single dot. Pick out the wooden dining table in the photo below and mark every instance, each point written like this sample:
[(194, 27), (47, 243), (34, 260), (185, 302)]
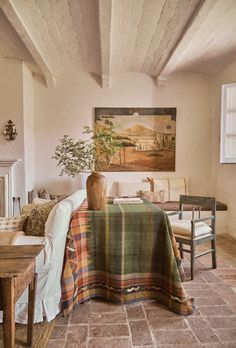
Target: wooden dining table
[(124, 253), (17, 272)]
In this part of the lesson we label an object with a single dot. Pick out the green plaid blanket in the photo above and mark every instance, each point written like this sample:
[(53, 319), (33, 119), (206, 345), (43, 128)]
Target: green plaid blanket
[(124, 253)]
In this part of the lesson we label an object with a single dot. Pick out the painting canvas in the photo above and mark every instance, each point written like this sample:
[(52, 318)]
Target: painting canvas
[(148, 136)]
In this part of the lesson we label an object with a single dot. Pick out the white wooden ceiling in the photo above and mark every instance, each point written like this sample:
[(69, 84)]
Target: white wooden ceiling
[(106, 37)]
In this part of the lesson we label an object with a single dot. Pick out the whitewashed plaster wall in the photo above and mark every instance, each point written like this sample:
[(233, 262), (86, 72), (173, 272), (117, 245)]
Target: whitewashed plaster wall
[(224, 174), (11, 107), (70, 106), (28, 112)]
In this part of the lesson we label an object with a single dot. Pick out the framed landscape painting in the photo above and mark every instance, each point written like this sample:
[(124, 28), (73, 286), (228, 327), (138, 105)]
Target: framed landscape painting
[(148, 136)]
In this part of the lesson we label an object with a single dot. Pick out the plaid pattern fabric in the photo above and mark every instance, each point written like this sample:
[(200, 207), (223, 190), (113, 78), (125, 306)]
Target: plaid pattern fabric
[(124, 253)]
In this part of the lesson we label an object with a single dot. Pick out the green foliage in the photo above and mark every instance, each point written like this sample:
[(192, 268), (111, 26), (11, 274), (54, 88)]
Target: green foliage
[(91, 155)]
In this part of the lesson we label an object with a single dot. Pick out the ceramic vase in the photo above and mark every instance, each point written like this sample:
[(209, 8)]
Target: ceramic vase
[(96, 185)]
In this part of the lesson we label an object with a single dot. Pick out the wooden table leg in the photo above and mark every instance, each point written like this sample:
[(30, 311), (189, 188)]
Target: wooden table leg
[(31, 309), (8, 312)]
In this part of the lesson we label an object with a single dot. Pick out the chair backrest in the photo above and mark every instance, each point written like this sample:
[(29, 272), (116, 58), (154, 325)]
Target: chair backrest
[(197, 202)]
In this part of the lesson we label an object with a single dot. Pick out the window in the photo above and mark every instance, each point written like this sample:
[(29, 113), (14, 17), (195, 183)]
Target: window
[(228, 124)]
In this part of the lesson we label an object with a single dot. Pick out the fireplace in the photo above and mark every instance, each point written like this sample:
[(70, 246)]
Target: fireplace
[(6, 186)]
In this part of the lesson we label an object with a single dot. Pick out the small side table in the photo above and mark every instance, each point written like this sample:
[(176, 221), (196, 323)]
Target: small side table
[(17, 271)]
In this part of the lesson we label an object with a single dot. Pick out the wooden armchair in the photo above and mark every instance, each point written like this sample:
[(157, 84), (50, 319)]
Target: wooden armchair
[(195, 231)]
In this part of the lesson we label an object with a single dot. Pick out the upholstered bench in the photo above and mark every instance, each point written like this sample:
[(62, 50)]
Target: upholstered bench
[(221, 214), (171, 189)]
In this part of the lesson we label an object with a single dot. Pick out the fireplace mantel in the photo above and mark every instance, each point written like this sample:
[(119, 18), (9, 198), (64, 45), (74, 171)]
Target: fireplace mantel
[(9, 163), (6, 186)]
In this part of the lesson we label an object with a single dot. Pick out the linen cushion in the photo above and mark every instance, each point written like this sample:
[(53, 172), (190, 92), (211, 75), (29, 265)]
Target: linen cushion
[(15, 223), (174, 187), (131, 189), (43, 193), (157, 196), (38, 217), (183, 228), (59, 218), (26, 209)]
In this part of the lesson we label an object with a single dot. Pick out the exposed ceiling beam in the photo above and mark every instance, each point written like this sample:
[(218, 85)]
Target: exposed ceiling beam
[(16, 21), (188, 33), (161, 81), (105, 18)]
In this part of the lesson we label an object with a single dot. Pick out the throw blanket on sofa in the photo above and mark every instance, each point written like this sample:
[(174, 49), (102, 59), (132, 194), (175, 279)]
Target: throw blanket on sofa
[(124, 253)]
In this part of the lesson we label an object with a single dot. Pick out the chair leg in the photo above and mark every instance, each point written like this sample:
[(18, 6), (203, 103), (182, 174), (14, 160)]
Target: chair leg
[(192, 260), (213, 246), (181, 250)]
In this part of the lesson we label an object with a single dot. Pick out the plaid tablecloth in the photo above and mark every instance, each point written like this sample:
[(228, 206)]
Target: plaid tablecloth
[(124, 253)]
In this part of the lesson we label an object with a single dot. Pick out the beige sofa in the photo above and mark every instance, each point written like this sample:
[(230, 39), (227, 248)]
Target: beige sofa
[(50, 261)]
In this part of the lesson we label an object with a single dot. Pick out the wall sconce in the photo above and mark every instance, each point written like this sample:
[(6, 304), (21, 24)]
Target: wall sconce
[(10, 131)]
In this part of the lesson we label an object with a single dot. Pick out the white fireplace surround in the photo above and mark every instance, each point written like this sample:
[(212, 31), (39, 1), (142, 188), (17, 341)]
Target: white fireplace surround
[(7, 186)]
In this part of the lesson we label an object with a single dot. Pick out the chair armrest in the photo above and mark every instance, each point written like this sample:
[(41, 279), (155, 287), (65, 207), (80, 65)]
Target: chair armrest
[(170, 213), (204, 219)]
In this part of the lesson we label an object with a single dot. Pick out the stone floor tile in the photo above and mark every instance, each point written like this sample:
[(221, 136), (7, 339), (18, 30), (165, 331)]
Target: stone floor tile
[(198, 278), (181, 345), (197, 322), (211, 277), (55, 344), (222, 322), (213, 345), (80, 314), (167, 323), (205, 335), (216, 310), (174, 337), (223, 272), (140, 332), (158, 311), (201, 293), (107, 318), (135, 312), (230, 283), (108, 330), (194, 286), (226, 335), (109, 343), (209, 301), (196, 312), (62, 320), (229, 345), (223, 290), (105, 306), (230, 299), (58, 332), (77, 336)]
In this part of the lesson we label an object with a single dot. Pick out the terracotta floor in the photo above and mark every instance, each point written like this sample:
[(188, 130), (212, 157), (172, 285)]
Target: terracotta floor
[(99, 324)]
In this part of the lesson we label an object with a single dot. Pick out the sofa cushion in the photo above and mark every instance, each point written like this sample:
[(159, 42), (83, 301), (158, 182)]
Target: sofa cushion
[(174, 187), (38, 217), (129, 189), (15, 223)]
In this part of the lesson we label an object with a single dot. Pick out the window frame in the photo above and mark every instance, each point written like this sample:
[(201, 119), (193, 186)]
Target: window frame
[(224, 158)]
